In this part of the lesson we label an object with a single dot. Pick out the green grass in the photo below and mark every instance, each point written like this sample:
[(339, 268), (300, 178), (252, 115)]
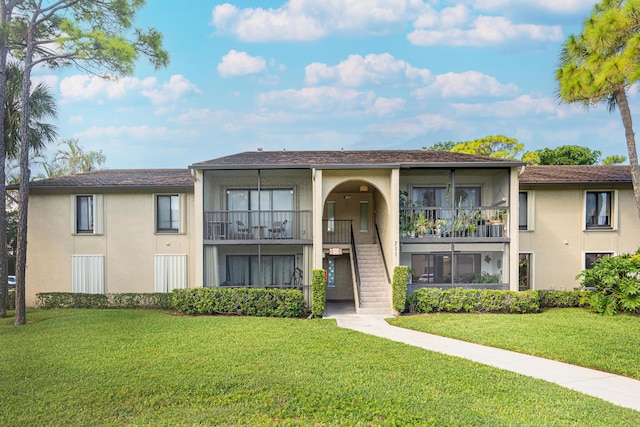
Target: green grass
[(573, 335), (124, 367)]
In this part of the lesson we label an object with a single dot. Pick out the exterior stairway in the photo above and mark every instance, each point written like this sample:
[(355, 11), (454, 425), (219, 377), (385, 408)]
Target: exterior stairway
[(374, 287)]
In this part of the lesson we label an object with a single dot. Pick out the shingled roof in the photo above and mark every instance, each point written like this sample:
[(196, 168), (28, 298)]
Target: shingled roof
[(121, 178), (350, 159), (595, 174)]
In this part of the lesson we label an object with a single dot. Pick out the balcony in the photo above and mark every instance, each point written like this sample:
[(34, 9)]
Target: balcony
[(426, 224), (251, 227)]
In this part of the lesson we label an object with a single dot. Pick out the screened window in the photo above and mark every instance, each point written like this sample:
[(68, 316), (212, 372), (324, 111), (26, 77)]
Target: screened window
[(168, 213), (268, 270), (599, 209), (437, 268), (84, 214), (364, 216), (439, 196)]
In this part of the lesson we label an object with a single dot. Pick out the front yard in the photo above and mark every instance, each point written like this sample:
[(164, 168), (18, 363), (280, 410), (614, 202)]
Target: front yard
[(121, 367), (572, 335)]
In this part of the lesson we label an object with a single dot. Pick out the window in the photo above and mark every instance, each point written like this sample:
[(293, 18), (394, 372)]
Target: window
[(84, 214), (525, 281), (87, 214), (249, 270), (599, 208), (525, 210), (331, 216), (439, 196), (364, 217), (591, 257), (436, 268), (168, 213), (170, 272)]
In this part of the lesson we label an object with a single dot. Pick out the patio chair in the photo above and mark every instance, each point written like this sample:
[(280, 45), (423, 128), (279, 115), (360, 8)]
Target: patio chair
[(242, 231), (277, 230)]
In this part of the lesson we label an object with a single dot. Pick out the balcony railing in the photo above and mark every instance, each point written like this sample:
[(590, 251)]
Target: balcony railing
[(336, 231), (258, 225), (463, 222)]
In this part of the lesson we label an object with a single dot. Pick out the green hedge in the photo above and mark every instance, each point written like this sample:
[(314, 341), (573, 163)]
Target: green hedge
[(240, 301), (399, 287), (49, 300), (560, 299), (428, 300), (318, 293)]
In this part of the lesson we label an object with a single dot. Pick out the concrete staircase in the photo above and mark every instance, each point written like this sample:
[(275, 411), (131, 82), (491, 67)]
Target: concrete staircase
[(374, 288)]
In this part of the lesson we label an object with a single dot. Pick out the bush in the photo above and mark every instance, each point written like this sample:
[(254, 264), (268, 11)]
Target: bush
[(616, 280), (562, 299), (49, 300), (240, 301), (428, 300), (399, 287), (318, 293)]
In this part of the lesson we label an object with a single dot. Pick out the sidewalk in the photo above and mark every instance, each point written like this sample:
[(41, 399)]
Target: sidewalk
[(616, 389)]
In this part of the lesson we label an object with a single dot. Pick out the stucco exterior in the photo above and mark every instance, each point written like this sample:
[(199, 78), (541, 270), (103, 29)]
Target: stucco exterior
[(558, 239), (128, 241)]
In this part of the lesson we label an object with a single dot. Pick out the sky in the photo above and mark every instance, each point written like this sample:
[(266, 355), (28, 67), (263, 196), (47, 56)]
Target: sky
[(335, 74)]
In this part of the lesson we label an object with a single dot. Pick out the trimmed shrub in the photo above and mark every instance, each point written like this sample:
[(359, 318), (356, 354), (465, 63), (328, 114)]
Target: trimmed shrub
[(240, 301), (133, 300), (561, 299), (49, 300), (457, 300), (318, 293), (399, 287)]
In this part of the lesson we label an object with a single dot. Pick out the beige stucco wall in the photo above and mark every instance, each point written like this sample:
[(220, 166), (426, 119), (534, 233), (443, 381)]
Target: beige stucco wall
[(559, 241), (129, 242)]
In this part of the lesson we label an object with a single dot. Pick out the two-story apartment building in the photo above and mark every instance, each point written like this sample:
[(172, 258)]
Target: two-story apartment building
[(569, 217), (268, 219)]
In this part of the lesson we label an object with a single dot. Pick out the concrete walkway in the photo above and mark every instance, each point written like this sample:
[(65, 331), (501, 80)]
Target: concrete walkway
[(616, 389)]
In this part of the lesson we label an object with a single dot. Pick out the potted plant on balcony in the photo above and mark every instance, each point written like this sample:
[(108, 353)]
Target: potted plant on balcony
[(421, 224), (440, 225)]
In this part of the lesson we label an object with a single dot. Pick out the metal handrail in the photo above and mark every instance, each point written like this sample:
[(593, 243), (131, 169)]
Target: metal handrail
[(354, 256), (384, 260)]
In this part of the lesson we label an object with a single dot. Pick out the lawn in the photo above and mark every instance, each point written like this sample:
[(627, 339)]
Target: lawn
[(573, 335), (123, 367)]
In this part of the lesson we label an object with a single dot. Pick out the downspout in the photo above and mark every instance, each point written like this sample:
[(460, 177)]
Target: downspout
[(260, 278)]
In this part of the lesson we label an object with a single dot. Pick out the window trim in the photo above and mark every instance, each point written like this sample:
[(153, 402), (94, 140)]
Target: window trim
[(614, 211), (530, 210), (97, 214), (585, 253), (182, 214)]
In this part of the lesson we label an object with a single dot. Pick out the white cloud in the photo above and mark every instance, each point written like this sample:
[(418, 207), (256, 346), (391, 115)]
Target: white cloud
[(555, 6), (357, 70), (301, 20), (141, 133), (386, 106), (237, 63), (470, 83), (82, 87), (319, 99), (48, 80), (484, 31), (171, 91), (524, 105)]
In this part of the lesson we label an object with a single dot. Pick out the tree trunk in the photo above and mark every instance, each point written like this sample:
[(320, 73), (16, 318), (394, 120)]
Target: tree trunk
[(625, 112), (5, 17), (25, 175)]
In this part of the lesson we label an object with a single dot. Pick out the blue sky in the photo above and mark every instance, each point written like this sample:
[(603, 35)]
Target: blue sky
[(332, 74)]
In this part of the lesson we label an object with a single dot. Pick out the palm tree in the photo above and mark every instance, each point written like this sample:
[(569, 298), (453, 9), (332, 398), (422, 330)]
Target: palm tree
[(43, 106), (600, 65), (72, 159)]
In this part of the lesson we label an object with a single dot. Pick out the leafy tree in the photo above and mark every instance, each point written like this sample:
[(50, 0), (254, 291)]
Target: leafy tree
[(568, 155), (493, 146), (442, 146), (95, 35), (614, 160), (600, 65)]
